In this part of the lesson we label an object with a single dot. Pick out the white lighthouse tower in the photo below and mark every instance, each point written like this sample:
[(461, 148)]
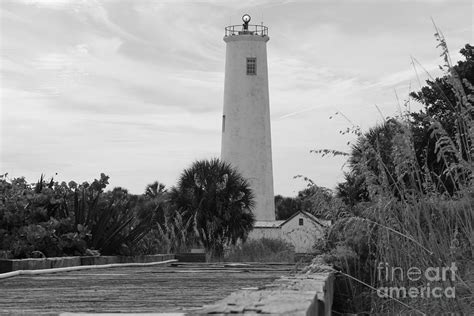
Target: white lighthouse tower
[(246, 136)]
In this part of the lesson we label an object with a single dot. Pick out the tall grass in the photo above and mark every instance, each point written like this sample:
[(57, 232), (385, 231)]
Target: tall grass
[(408, 223), (171, 236)]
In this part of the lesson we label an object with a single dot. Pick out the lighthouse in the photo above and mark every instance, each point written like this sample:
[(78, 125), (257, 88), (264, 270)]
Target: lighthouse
[(246, 134)]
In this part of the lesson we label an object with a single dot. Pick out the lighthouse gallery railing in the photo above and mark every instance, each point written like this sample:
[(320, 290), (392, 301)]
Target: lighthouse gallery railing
[(258, 30)]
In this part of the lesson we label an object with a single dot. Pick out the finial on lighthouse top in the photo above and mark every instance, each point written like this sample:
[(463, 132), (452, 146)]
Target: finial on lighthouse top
[(246, 18), (246, 29)]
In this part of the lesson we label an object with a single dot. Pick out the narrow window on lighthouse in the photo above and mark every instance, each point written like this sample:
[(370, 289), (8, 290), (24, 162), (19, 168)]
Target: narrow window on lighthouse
[(251, 66), (223, 123)]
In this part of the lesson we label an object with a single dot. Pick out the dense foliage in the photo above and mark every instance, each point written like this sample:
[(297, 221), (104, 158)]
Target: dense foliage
[(58, 219), (445, 118), (319, 201), (210, 207), (285, 207)]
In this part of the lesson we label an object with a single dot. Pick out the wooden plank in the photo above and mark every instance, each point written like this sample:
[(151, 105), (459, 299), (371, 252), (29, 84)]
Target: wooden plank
[(126, 289)]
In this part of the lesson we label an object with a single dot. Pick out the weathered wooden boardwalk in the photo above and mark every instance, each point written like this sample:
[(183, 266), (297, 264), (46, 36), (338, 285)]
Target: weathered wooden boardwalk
[(169, 288)]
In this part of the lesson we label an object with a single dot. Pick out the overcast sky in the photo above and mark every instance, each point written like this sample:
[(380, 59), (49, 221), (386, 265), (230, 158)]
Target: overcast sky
[(134, 89)]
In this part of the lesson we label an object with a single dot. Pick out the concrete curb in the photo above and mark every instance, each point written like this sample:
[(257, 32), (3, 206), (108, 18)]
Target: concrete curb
[(303, 294), (66, 269), (9, 265)]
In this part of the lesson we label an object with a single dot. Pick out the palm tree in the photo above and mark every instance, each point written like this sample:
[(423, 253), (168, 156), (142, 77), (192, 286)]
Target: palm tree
[(374, 158), (220, 202), (375, 147), (384, 159), (155, 189)]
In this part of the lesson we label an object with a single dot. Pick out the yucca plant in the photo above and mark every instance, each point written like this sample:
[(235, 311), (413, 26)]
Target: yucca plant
[(111, 217)]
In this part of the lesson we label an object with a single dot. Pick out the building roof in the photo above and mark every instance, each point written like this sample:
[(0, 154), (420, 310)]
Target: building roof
[(319, 221), (278, 224), (268, 224)]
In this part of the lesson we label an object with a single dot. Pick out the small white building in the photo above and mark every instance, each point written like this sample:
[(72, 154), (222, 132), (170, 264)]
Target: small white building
[(301, 230)]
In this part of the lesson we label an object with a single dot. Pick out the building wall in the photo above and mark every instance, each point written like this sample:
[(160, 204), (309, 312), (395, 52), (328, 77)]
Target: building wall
[(246, 135), (259, 233), (302, 237)]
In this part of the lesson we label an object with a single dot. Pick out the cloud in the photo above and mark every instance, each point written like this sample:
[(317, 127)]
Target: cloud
[(134, 88), (50, 4)]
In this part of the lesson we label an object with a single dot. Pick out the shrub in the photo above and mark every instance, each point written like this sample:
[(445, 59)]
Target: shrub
[(261, 250), (59, 219)]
